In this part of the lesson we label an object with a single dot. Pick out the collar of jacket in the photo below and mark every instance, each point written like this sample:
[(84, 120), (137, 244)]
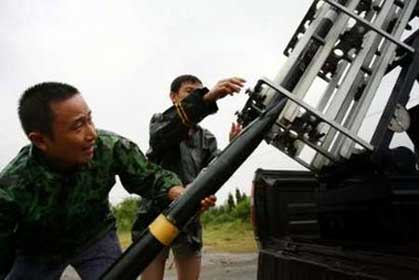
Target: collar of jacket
[(39, 158)]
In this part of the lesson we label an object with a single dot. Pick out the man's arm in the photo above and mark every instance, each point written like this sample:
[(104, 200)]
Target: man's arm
[(147, 179), (140, 176), (172, 126), (169, 128)]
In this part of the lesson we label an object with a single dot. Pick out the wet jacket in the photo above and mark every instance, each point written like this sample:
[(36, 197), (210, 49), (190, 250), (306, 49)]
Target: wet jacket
[(179, 144), (50, 216)]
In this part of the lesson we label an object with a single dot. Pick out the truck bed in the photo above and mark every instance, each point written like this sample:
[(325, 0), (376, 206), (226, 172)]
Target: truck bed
[(357, 230)]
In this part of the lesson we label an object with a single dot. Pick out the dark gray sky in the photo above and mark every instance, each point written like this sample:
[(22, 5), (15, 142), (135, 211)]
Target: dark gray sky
[(122, 55)]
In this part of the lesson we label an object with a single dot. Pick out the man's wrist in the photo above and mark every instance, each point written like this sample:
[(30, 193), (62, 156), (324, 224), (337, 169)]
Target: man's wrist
[(208, 97)]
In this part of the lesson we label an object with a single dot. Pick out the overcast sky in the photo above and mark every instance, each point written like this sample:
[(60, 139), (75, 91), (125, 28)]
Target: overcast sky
[(122, 56)]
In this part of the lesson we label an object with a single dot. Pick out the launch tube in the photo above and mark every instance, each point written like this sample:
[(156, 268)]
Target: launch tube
[(167, 226)]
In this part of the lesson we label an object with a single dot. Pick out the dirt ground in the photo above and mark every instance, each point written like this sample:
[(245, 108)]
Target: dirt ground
[(215, 266), (224, 266)]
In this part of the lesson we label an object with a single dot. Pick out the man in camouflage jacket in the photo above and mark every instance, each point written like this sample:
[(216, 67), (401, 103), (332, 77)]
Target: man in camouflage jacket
[(179, 144), (54, 208)]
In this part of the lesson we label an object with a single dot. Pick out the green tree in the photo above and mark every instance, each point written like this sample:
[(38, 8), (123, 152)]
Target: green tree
[(242, 210), (244, 196), (238, 196), (230, 202), (125, 213)]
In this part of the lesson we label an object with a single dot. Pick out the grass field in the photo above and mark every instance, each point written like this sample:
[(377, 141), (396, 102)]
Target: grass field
[(234, 237)]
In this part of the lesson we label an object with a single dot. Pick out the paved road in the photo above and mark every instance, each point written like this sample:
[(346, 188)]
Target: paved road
[(225, 266), (215, 266)]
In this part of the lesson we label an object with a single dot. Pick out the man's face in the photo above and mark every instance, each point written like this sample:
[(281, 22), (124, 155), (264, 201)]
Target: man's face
[(185, 89), (74, 133)]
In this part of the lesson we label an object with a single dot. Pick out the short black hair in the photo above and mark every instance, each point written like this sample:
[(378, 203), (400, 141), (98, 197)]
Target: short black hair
[(34, 109), (187, 78)]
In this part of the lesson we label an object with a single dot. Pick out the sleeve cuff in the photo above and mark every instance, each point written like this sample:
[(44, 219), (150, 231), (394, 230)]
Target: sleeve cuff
[(193, 108)]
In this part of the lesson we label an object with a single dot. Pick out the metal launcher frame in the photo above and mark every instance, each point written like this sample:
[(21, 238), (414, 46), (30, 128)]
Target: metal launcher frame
[(337, 59)]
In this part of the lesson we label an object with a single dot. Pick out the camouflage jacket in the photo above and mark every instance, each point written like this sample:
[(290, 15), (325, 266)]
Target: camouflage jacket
[(178, 144), (47, 215)]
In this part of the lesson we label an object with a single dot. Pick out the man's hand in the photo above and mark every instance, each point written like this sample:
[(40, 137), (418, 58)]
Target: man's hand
[(176, 191), (235, 130), (223, 88), (208, 202)]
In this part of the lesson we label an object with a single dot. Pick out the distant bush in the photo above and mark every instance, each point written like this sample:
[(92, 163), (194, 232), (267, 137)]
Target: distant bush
[(228, 213), (125, 213), (242, 210)]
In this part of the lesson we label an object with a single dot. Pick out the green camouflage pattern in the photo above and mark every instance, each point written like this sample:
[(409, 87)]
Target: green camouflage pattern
[(52, 216)]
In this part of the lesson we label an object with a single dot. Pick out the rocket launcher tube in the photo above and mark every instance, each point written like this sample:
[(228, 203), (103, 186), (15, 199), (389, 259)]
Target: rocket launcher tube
[(163, 230)]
